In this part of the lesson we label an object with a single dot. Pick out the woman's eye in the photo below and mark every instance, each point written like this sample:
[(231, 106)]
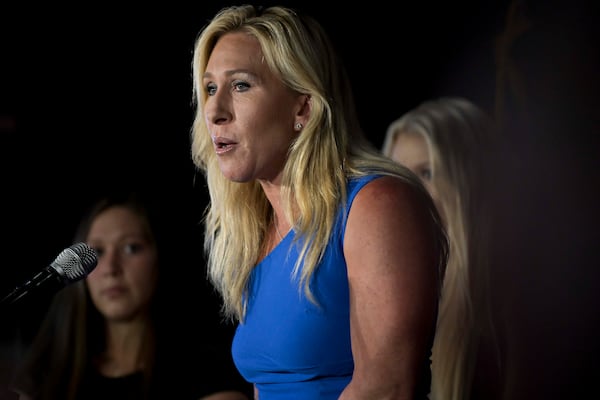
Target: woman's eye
[(132, 248), (211, 89), (240, 86), (425, 174)]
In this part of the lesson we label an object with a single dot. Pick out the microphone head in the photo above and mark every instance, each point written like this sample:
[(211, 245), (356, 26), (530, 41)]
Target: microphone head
[(75, 262)]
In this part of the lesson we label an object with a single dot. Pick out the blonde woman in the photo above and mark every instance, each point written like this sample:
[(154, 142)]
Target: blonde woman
[(446, 143), (328, 254)]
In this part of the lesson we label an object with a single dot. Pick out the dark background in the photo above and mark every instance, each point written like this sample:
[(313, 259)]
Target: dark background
[(102, 95), (93, 97)]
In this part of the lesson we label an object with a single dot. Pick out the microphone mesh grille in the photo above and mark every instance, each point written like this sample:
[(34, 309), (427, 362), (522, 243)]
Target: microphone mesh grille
[(76, 261)]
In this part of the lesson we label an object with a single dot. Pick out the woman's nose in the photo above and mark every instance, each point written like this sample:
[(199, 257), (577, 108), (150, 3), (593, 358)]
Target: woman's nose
[(217, 108), (110, 263)]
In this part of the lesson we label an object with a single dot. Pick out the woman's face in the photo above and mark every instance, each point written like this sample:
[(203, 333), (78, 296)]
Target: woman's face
[(249, 112), (411, 150), (123, 283)]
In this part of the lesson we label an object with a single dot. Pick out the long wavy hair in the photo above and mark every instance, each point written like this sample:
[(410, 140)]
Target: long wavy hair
[(330, 150), (460, 137)]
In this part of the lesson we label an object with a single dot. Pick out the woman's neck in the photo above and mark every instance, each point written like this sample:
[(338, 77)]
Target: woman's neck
[(125, 345)]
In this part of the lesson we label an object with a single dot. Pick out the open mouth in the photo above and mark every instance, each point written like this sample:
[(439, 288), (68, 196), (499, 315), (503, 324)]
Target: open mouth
[(222, 145)]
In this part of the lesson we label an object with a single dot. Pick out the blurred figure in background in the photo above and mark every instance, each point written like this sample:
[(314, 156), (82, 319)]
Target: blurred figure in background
[(446, 143), (548, 196), (105, 337)]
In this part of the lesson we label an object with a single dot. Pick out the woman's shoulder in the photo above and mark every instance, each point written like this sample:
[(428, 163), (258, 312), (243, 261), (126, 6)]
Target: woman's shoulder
[(389, 186), (392, 200)]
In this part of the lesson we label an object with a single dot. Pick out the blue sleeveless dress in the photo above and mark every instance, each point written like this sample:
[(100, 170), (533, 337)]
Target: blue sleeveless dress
[(287, 346)]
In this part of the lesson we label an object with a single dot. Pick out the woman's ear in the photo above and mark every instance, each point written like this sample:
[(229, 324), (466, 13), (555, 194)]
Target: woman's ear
[(303, 112)]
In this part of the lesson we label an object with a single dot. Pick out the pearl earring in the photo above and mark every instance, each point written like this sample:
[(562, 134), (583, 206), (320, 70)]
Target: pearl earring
[(298, 126)]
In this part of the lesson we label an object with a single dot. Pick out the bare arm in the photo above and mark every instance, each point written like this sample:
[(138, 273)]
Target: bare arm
[(393, 290)]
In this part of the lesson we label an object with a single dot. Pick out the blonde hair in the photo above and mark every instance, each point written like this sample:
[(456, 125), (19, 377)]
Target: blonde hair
[(330, 149), (458, 135)]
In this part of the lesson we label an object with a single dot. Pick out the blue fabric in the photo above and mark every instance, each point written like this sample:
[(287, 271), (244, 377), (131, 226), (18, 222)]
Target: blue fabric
[(289, 347)]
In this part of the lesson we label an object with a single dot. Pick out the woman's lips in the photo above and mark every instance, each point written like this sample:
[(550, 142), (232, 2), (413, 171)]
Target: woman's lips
[(223, 145), (114, 291)]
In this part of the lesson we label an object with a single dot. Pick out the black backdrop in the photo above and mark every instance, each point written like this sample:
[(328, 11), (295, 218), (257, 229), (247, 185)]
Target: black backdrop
[(97, 96), (103, 93)]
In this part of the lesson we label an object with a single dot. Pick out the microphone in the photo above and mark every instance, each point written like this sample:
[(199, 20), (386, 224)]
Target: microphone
[(71, 265)]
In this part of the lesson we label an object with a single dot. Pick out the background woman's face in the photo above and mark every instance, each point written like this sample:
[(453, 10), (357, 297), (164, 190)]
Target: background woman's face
[(123, 283), (411, 150)]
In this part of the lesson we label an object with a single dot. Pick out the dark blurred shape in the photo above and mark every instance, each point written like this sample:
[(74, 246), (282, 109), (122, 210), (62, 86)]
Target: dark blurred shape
[(8, 124), (547, 198)]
